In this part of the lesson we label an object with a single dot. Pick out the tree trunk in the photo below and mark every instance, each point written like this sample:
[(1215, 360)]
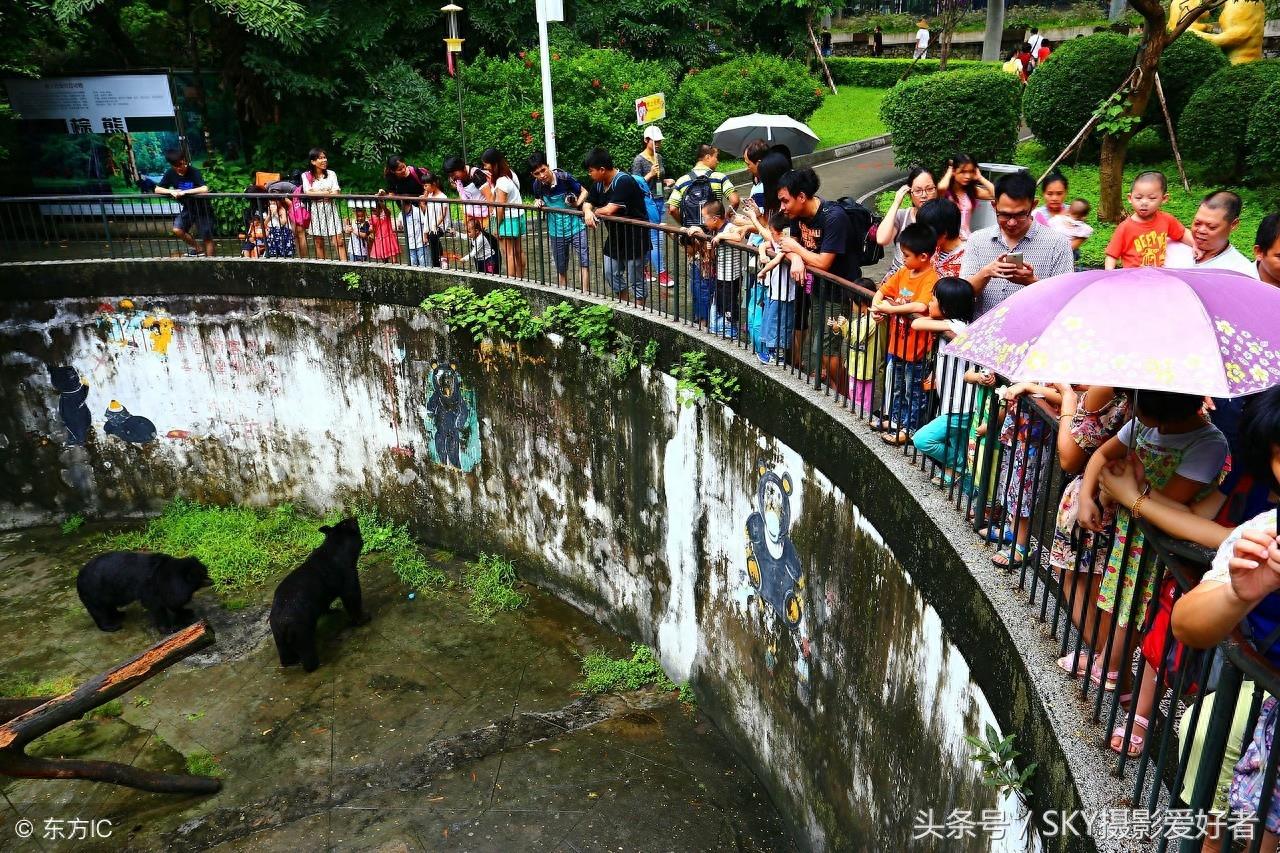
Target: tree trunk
[(26, 720), (1114, 146), (995, 29)]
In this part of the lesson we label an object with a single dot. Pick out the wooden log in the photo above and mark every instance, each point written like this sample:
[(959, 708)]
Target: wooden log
[(10, 708), (43, 715)]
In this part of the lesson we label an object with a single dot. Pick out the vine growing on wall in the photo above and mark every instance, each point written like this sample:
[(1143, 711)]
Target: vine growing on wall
[(506, 314)]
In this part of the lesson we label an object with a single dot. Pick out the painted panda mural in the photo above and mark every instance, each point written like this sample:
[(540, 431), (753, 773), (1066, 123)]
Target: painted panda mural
[(773, 566)]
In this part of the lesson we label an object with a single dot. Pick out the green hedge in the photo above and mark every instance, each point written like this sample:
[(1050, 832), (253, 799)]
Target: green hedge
[(934, 116), (1262, 140), (1065, 90), (885, 73), (1214, 126), (756, 83), (1184, 67)]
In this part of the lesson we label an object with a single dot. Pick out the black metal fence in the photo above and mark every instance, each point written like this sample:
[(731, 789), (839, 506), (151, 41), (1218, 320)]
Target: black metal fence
[(994, 454)]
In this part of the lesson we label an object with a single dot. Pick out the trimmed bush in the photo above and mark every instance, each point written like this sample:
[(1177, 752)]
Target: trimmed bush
[(1065, 90), (1184, 67), (757, 83), (885, 73), (934, 116), (1215, 123), (1262, 140)]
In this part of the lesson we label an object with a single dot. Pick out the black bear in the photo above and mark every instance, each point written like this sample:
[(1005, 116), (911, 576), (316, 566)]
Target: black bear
[(74, 390), (305, 594), (163, 584)]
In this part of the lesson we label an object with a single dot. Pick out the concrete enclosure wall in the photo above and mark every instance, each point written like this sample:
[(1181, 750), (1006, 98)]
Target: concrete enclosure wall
[(691, 528)]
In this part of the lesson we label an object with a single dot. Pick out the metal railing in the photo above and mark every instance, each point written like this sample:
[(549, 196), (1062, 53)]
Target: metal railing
[(996, 460)]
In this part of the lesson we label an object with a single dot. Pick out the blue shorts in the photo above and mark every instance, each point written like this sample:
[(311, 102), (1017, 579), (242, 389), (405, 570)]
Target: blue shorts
[(195, 223), (560, 250)]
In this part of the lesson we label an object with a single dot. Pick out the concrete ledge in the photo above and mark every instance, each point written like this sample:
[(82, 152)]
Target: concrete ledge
[(983, 615)]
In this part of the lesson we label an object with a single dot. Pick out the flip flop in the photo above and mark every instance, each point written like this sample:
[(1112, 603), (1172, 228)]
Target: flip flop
[(1004, 535), (1008, 562), (896, 439)]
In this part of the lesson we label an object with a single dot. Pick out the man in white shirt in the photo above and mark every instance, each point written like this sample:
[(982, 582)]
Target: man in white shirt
[(1217, 217), (1035, 40), (922, 39)]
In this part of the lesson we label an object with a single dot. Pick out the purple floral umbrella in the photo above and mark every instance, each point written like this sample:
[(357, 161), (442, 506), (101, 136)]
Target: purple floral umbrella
[(1183, 330)]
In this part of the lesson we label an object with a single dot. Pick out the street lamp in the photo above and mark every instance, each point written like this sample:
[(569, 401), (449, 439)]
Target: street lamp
[(453, 45)]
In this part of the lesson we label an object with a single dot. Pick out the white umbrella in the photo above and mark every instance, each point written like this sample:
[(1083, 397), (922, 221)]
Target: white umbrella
[(734, 134)]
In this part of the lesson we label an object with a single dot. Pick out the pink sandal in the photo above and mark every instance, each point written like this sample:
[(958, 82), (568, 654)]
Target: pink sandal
[(1135, 739), (1095, 677), (1082, 662)]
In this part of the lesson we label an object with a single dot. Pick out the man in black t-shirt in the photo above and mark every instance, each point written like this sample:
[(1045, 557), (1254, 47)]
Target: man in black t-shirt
[(819, 240), (184, 182), (617, 193)]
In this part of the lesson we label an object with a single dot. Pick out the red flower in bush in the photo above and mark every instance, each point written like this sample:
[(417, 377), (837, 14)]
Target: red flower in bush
[(595, 84), (534, 114), (555, 56), (817, 92), (626, 86), (528, 64), (521, 54)]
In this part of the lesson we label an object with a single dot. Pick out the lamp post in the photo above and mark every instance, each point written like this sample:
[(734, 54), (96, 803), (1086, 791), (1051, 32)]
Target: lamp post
[(453, 49), (548, 10)]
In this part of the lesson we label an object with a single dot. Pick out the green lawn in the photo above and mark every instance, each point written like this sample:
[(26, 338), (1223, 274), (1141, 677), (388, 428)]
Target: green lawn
[(853, 114)]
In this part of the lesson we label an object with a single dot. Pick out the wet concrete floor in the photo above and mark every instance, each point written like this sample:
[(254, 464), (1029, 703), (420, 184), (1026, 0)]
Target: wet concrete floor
[(423, 730)]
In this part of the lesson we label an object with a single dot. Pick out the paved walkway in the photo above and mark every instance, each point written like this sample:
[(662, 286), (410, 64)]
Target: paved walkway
[(859, 174)]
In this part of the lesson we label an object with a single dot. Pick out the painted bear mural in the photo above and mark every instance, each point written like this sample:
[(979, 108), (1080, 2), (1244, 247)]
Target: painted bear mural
[(452, 424), (773, 566), (71, 406), (131, 428)]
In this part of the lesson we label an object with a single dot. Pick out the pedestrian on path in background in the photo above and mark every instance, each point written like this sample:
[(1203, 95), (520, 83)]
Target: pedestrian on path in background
[(922, 39), (648, 167), (877, 42)]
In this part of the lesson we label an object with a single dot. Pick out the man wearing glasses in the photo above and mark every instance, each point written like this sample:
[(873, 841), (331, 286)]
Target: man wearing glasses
[(1016, 251)]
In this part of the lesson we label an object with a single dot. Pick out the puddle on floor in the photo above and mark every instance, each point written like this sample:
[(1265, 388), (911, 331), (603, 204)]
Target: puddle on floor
[(423, 730)]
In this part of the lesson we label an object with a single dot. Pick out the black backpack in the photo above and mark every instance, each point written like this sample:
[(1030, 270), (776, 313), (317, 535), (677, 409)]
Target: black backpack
[(695, 196), (862, 228)]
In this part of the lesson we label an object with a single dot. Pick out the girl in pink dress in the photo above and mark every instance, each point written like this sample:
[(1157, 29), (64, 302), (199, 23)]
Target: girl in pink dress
[(386, 246)]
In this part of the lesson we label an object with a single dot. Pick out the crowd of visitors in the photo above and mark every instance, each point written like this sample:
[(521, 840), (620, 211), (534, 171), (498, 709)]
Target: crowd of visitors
[(763, 266)]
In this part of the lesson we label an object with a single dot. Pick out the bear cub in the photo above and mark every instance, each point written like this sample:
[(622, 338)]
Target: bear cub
[(305, 594), (163, 584)]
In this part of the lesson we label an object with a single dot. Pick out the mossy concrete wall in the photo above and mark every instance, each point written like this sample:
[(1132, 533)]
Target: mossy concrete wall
[(277, 381)]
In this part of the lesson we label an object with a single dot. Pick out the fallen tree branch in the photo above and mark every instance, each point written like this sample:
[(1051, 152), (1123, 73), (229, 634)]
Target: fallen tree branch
[(46, 714)]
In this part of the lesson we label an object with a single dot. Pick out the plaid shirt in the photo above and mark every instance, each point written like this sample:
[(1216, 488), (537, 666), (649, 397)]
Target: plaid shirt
[(1047, 251)]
